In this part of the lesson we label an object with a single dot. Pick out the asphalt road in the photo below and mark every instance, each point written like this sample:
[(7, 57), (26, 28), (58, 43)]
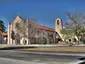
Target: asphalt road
[(20, 57)]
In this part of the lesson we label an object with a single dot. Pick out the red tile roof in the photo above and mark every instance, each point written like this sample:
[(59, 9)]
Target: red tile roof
[(4, 34), (46, 28)]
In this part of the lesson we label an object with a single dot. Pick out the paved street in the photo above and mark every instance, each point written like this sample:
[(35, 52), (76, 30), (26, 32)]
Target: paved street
[(22, 57), (12, 61)]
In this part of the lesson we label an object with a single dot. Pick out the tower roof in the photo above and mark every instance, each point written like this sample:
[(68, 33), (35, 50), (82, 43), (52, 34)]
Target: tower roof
[(58, 19)]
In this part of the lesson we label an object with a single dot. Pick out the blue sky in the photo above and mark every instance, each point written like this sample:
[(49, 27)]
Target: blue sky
[(44, 11)]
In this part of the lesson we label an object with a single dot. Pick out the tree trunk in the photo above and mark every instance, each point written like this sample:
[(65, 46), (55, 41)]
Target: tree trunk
[(78, 41)]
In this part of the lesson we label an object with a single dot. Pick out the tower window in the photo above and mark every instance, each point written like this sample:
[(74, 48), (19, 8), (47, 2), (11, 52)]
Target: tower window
[(57, 22)]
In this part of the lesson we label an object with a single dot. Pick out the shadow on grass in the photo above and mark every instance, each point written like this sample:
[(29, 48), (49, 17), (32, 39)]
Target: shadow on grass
[(11, 48)]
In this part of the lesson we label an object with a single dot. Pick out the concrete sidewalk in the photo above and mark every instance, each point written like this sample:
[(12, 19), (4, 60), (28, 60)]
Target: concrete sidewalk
[(39, 45), (14, 46), (27, 46)]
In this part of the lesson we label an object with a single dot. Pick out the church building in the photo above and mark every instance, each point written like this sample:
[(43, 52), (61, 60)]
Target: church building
[(44, 35)]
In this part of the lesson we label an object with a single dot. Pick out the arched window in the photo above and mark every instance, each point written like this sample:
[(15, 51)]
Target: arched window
[(57, 22)]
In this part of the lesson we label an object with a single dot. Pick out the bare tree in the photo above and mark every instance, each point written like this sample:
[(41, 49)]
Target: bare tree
[(32, 30), (27, 29), (21, 29), (76, 23)]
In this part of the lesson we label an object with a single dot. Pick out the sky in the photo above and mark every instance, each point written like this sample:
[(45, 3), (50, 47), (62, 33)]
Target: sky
[(44, 11)]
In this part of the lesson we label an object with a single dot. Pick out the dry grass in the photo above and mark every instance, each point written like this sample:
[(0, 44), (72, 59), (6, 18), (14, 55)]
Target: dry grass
[(59, 49)]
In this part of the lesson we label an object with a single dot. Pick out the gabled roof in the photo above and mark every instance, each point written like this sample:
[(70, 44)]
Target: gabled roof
[(40, 26), (19, 17)]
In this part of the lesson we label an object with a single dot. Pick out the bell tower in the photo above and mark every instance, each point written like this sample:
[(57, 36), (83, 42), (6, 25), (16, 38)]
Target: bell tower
[(58, 25)]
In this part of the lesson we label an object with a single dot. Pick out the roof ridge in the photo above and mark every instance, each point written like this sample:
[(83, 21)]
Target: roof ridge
[(46, 28)]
